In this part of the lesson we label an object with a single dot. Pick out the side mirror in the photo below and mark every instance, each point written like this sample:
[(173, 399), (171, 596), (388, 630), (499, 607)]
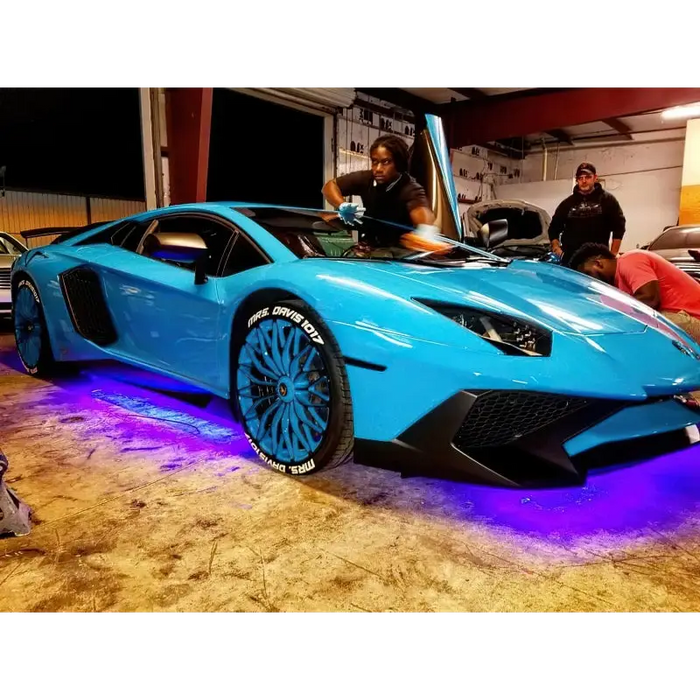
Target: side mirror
[(186, 248), (494, 233)]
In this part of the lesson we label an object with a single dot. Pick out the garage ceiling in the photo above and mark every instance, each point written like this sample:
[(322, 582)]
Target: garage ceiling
[(504, 116)]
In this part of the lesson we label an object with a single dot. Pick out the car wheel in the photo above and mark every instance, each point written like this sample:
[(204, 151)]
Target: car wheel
[(292, 394), (31, 334)]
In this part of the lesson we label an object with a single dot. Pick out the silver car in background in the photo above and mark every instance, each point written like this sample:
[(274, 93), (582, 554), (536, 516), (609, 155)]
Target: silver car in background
[(681, 246), (10, 250)]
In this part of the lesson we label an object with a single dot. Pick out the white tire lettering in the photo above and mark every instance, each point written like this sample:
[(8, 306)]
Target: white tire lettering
[(30, 286), (26, 283), (298, 318), (284, 468), (292, 315), (258, 315)]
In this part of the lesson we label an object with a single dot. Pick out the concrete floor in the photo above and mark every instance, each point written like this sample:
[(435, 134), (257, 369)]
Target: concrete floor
[(145, 503)]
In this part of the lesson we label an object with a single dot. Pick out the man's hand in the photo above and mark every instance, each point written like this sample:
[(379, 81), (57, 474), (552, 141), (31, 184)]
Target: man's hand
[(350, 213), (424, 239), (556, 247)]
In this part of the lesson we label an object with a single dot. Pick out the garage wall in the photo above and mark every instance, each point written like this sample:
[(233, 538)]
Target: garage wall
[(480, 172), (632, 156), (358, 126), (645, 178), (22, 211)]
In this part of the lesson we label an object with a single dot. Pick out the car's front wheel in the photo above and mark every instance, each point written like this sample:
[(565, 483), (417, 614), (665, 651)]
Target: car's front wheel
[(291, 389)]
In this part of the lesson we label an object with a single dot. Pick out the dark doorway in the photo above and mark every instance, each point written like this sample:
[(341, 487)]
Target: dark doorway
[(262, 152), (72, 140)]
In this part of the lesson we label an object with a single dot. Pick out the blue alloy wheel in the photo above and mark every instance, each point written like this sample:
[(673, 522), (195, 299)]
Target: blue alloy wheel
[(292, 391)]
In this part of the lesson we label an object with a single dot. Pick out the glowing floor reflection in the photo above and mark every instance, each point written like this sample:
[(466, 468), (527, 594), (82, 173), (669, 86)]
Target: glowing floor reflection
[(185, 418), (659, 494)]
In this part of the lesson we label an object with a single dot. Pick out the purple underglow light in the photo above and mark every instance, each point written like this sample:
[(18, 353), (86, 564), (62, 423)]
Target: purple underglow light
[(659, 495), (147, 413)]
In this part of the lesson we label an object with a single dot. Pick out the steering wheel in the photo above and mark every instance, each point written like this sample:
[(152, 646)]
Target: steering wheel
[(349, 252), (373, 253)]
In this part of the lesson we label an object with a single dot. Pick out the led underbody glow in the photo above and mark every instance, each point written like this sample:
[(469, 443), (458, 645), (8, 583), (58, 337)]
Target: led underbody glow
[(656, 496)]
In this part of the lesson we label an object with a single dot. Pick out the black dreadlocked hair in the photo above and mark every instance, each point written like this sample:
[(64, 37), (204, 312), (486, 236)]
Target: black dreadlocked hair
[(588, 251), (397, 147)]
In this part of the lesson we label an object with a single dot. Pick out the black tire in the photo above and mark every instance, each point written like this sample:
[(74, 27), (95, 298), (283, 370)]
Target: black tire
[(41, 364), (335, 445)]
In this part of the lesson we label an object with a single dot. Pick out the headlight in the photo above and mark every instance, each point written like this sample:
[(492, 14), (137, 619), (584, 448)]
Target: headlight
[(512, 336)]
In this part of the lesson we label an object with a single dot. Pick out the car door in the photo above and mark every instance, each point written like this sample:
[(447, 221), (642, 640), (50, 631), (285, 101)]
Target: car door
[(161, 317)]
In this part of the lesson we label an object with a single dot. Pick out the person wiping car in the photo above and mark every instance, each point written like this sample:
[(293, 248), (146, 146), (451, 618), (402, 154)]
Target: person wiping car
[(388, 193)]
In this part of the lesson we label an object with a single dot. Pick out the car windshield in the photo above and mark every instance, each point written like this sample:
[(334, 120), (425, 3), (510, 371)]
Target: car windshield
[(312, 233), (9, 246)]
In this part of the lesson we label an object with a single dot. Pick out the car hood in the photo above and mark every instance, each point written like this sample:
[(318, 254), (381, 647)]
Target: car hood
[(560, 299)]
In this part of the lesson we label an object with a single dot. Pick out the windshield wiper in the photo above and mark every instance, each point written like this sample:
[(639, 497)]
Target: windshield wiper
[(457, 244), (452, 262)]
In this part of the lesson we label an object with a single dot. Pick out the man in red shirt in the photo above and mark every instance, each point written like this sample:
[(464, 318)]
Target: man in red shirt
[(648, 277)]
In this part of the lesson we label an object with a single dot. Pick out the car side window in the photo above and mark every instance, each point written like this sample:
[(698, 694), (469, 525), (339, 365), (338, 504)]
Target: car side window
[(216, 236), (105, 235), (243, 256), (130, 235), (7, 246)]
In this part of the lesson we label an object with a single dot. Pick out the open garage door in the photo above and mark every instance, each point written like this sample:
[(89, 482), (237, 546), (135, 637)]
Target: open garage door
[(323, 100), (261, 151)]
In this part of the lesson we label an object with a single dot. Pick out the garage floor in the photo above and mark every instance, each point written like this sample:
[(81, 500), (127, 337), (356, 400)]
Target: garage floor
[(144, 502)]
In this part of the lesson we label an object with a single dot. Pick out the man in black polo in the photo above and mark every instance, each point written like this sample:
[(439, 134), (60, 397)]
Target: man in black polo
[(388, 193)]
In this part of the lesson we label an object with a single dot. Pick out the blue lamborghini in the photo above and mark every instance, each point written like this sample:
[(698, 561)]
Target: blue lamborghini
[(455, 363)]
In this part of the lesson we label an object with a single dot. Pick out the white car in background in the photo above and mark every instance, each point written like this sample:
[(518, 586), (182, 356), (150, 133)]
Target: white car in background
[(10, 250), (517, 229)]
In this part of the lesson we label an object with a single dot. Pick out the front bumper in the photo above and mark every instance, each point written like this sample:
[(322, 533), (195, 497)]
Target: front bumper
[(526, 439)]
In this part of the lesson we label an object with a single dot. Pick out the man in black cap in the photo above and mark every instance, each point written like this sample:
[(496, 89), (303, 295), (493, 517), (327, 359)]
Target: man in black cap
[(589, 215)]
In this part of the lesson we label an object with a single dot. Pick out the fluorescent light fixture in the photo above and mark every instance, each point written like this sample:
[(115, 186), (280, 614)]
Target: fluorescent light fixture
[(682, 112)]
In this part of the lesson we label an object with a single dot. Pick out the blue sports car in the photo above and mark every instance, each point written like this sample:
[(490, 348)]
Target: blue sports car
[(455, 363)]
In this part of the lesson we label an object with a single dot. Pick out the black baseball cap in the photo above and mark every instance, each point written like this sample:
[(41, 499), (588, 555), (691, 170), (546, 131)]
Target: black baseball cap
[(585, 167)]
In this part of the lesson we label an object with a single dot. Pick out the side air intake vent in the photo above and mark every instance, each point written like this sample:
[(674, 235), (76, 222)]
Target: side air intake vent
[(87, 307)]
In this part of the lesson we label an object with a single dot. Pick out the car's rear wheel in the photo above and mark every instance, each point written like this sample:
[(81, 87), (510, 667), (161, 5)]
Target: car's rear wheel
[(291, 393), (31, 334)]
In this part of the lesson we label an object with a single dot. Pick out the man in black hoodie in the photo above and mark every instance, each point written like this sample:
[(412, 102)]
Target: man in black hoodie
[(589, 215)]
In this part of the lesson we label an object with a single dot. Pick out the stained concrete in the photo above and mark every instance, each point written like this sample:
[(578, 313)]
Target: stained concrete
[(150, 504)]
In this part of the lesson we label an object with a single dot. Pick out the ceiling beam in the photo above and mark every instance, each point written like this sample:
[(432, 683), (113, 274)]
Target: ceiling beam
[(470, 93), (403, 98), (561, 135), (620, 127), (476, 94), (498, 98), (522, 113)]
